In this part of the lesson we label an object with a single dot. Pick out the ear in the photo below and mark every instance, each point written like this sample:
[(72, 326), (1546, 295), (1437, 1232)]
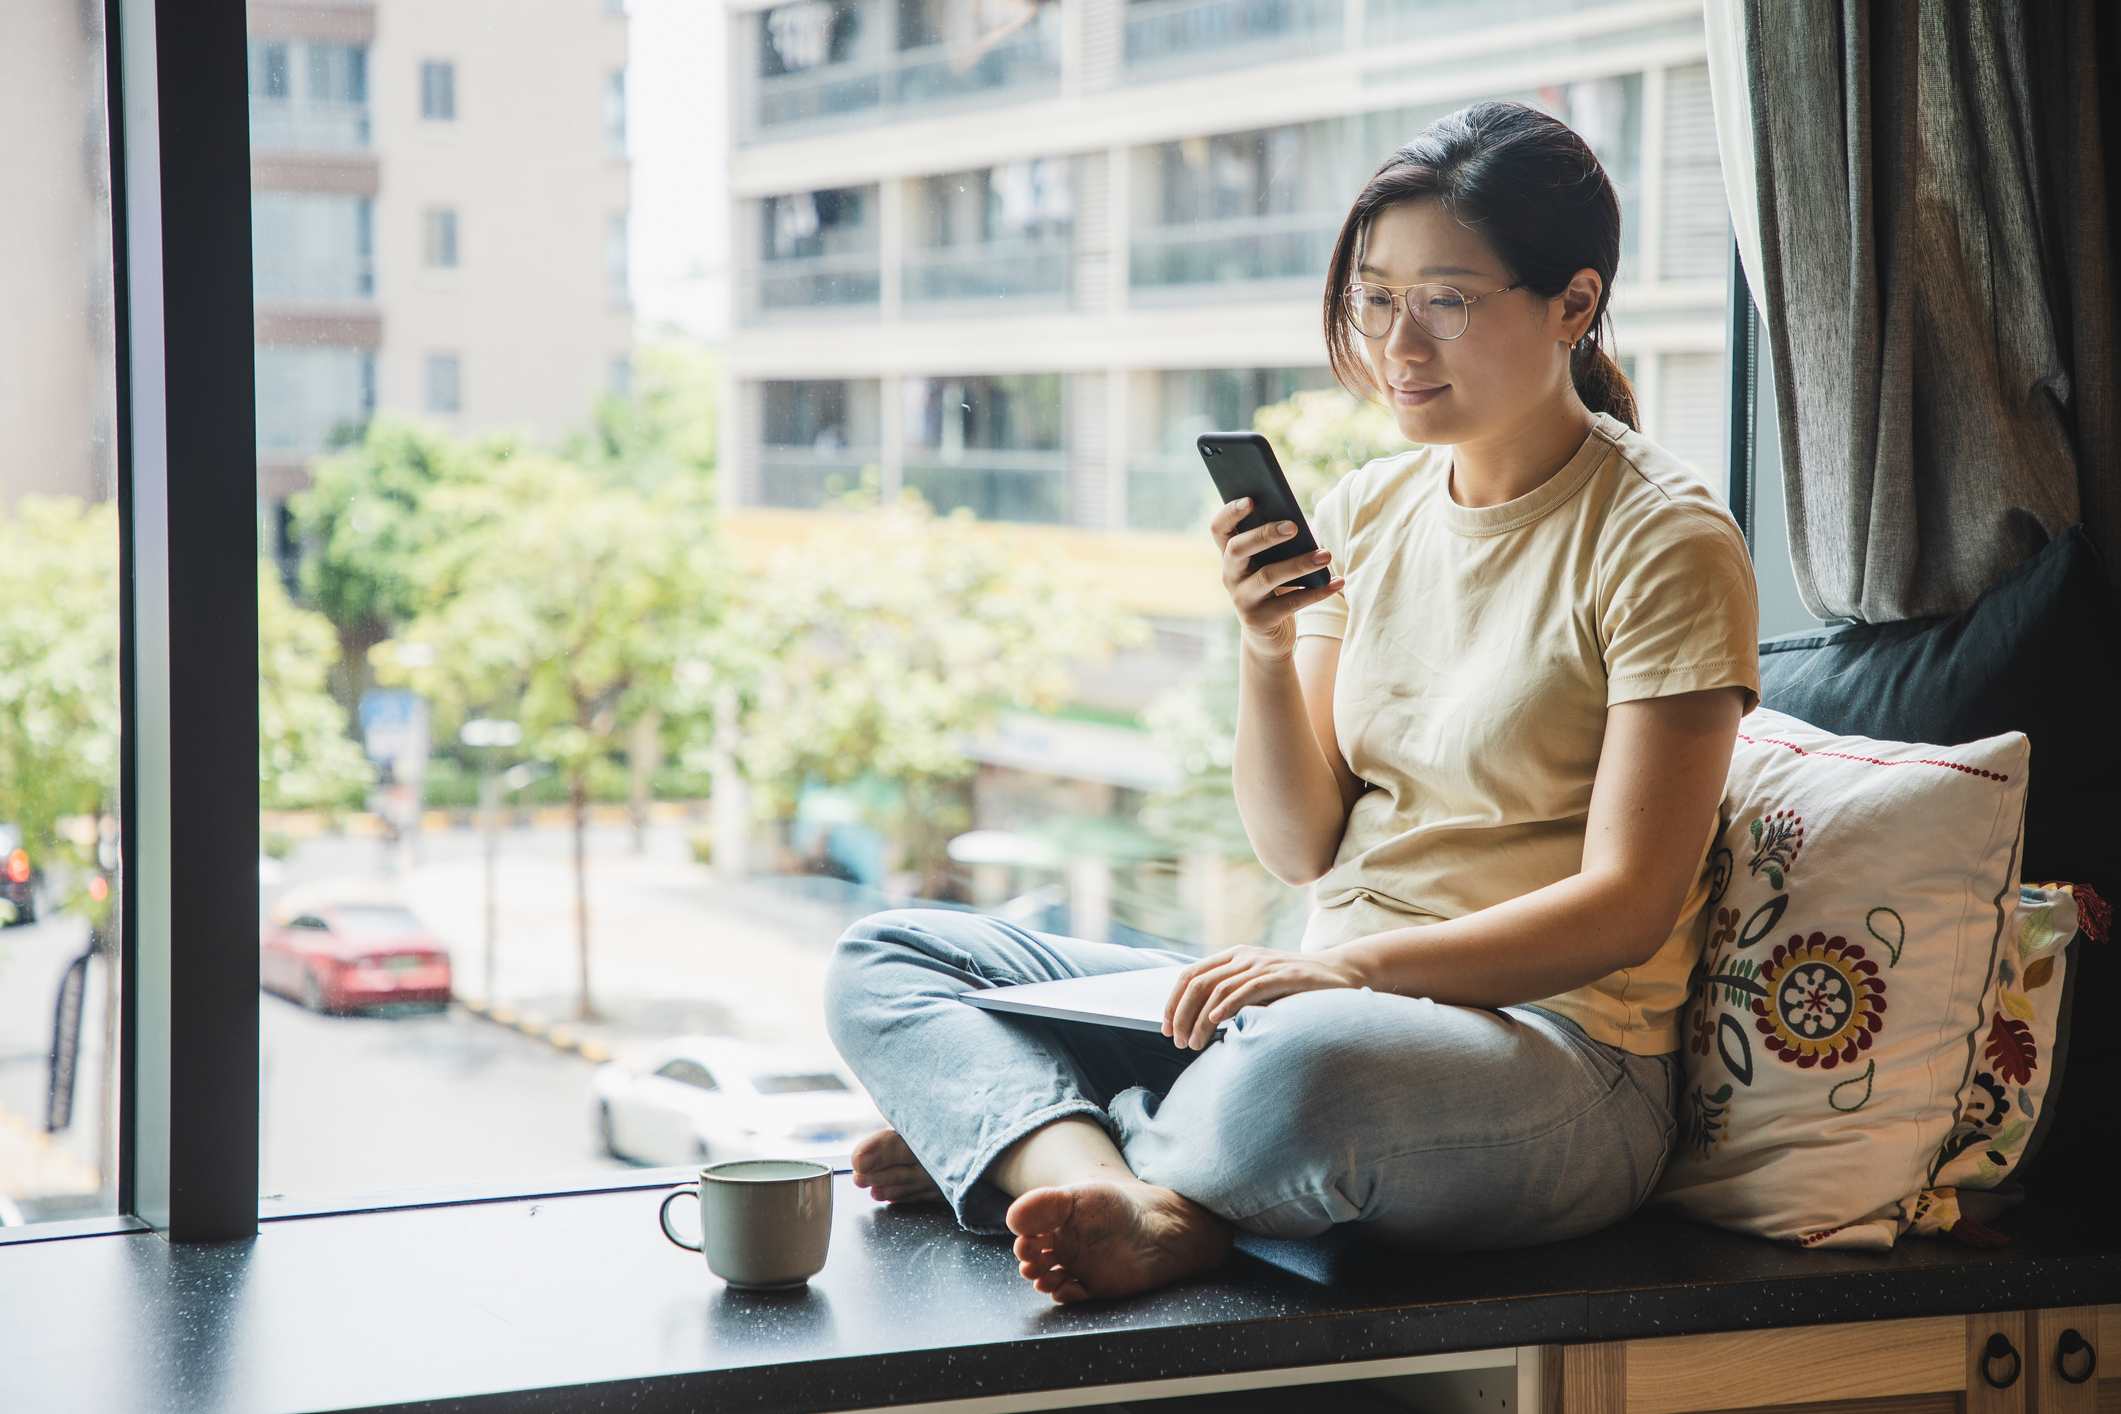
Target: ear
[(1579, 302)]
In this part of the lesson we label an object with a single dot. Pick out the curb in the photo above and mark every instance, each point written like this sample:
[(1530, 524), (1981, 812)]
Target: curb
[(80, 1177), (560, 1037), (308, 824)]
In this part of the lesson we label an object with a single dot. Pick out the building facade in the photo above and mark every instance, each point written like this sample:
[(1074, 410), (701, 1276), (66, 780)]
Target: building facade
[(1017, 255), (439, 214)]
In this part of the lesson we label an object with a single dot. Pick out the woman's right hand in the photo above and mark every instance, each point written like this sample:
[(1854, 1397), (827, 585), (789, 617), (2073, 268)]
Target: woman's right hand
[(1266, 605)]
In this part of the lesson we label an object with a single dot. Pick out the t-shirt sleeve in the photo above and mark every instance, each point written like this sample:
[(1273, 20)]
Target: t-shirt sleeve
[(1680, 611), (1329, 616)]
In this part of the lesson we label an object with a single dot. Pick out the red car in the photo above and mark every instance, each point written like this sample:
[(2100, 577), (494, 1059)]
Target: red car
[(341, 955)]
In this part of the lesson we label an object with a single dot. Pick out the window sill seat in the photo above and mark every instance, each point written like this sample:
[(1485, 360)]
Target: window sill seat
[(578, 1302)]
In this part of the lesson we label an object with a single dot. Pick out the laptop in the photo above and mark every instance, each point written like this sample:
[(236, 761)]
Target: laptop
[(1132, 999)]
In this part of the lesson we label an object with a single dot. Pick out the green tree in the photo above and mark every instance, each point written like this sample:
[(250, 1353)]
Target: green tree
[(59, 682), (1322, 434), (1319, 435), (363, 525), (666, 427), (305, 758), (558, 599), (59, 739), (867, 654)]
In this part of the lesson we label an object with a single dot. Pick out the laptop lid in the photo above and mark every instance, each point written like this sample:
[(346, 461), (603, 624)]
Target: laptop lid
[(1133, 999)]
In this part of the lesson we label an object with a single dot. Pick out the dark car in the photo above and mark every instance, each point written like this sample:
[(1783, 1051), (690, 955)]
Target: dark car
[(18, 878), (346, 953)]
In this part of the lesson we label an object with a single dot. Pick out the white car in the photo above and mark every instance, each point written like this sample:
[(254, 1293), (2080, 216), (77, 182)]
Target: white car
[(702, 1099)]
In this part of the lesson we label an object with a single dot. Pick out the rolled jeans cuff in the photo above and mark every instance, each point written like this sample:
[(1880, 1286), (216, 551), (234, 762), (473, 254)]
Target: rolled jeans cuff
[(978, 1203)]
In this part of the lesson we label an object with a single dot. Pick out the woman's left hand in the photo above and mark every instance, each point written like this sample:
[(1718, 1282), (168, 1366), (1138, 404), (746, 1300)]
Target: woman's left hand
[(1215, 987)]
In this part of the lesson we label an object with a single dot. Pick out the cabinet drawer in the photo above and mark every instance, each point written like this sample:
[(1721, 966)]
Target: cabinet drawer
[(1796, 1365)]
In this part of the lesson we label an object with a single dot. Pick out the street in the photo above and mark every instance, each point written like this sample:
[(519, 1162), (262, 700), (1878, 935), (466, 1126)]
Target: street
[(359, 1105)]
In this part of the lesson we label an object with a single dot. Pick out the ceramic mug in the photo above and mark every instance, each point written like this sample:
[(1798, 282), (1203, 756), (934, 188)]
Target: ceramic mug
[(764, 1223)]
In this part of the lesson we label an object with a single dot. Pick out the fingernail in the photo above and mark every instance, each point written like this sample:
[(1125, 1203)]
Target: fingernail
[(1285, 528)]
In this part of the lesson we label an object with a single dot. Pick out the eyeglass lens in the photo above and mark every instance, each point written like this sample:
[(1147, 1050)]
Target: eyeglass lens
[(1440, 309)]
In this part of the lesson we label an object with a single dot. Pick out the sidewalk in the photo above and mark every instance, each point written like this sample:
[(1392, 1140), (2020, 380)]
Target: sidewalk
[(35, 1166), (674, 949)]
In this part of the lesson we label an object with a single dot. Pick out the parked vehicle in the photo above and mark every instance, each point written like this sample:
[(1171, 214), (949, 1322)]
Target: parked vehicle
[(341, 947), (19, 878), (702, 1099)]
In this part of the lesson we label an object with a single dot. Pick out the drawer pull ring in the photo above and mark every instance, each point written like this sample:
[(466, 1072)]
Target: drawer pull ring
[(2000, 1347), (2068, 1344)]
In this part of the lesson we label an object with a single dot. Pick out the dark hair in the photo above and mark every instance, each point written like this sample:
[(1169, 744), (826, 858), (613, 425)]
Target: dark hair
[(1535, 190)]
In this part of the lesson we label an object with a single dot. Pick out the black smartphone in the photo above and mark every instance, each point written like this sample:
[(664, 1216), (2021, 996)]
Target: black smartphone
[(1243, 465)]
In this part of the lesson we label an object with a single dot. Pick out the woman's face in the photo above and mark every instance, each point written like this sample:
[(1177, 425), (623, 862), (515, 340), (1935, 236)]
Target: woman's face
[(1509, 364)]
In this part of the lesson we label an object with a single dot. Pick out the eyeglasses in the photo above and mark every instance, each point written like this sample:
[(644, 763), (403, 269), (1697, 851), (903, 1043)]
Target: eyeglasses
[(1442, 310)]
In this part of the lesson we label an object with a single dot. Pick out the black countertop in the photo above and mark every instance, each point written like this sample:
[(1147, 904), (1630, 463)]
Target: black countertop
[(578, 1302)]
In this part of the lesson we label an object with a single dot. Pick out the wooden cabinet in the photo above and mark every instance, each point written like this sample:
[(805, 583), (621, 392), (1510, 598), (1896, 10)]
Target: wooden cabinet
[(2042, 1361)]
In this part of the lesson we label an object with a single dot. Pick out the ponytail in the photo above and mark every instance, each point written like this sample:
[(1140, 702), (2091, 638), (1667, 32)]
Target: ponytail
[(1600, 383)]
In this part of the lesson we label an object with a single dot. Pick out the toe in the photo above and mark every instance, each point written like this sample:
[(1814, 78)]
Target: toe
[(1041, 1210)]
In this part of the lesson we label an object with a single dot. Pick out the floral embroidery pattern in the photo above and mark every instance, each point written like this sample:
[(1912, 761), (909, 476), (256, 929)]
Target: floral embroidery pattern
[(1702, 1122), (1825, 1001), (1777, 837)]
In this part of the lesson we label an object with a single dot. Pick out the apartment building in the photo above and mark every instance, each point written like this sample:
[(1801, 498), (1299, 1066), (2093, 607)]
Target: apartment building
[(439, 216), (1017, 253), (58, 392)]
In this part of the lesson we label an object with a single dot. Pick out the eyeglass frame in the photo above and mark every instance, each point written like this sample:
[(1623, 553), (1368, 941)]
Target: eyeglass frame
[(1399, 302)]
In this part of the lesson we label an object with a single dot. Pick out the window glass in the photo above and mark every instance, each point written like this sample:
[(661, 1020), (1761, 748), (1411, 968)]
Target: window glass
[(438, 89), (812, 1082), (440, 245), (791, 511), (368, 922), (442, 389), (615, 112), (60, 992)]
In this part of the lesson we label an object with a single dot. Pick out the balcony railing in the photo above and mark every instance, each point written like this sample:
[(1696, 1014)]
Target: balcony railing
[(1415, 19), (273, 282), (813, 281), (1247, 249), (1170, 35), (997, 485), (1023, 66), (993, 270), (307, 125), (804, 478)]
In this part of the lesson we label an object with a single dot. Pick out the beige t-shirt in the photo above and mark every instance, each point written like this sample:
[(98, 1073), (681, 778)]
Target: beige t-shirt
[(1480, 648)]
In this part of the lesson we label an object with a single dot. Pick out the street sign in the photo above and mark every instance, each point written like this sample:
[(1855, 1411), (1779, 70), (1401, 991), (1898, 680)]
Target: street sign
[(394, 729), (66, 1043)]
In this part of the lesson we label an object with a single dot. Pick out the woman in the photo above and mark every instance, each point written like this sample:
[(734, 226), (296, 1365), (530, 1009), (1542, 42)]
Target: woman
[(1494, 744)]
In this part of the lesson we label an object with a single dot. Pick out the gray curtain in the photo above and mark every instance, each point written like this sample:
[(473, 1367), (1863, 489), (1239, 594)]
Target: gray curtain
[(1938, 262)]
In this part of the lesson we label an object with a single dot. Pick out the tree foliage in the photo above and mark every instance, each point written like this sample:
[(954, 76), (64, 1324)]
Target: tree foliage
[(870, 653), (305, 758), (1319, 435), (1322, 434), (58, 667)]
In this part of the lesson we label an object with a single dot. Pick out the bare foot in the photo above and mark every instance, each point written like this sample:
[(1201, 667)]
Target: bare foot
[(883, 1162), (1106, 1238)]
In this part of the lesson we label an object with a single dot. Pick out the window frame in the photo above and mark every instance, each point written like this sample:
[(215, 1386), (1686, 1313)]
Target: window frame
[(188, 1080)]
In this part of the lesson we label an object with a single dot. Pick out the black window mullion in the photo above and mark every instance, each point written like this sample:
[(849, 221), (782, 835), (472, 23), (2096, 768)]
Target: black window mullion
[(1741, 400), (180, 199)]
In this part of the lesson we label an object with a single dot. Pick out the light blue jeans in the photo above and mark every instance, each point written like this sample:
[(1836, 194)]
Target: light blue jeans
[(1448, 1127)]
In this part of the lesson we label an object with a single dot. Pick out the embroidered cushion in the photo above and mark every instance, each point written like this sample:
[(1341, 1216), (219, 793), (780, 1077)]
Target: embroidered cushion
[(2012, 1081), (1861, 892), (1993, 667)]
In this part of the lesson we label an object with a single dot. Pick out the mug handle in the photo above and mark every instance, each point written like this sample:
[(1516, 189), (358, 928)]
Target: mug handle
[(663, 1215)]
